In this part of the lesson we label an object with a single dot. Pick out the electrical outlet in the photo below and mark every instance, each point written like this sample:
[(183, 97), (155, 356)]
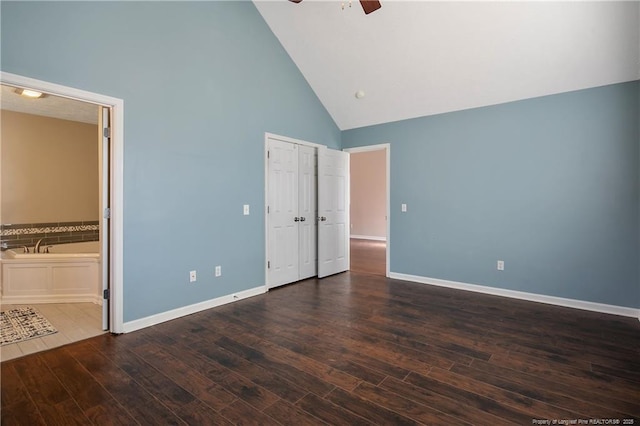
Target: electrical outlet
[(500, 265), (218, 271), (192, 276)]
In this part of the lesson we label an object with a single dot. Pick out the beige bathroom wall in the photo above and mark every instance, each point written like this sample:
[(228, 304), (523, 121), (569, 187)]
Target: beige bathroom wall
[(368, 194), (49, 169)]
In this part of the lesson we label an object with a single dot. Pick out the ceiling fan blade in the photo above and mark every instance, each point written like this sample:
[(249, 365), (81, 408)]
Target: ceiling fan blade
[(295, 1), (368, 5)]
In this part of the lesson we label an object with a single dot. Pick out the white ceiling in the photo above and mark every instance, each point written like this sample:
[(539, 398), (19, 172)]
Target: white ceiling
[(417, 58), (49, 106)]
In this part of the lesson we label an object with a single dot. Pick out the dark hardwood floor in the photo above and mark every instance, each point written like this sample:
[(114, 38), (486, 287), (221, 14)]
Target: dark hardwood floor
[(368, 256), (346, 350)]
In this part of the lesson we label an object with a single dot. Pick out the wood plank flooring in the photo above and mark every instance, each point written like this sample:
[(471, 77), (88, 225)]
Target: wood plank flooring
[(350, 349), (368, 256)]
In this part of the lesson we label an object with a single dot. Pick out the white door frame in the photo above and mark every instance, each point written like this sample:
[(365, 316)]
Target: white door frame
[(268, 136), (117, 177), (387, 148)]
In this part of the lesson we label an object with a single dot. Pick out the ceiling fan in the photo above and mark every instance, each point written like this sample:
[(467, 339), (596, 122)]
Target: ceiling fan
[(367, 5)]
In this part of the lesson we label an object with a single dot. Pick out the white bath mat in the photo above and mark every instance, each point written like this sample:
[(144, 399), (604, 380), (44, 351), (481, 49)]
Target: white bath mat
[(22, 324)]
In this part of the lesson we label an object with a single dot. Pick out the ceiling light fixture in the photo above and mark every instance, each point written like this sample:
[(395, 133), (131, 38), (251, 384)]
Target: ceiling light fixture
[(32, 94), (360, 94)]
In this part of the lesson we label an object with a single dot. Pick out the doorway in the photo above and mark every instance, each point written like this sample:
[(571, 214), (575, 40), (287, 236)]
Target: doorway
[(109, 114), (369, 210)]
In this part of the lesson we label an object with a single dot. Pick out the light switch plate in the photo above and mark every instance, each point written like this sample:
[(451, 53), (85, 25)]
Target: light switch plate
[(403, 208), (246, 209)]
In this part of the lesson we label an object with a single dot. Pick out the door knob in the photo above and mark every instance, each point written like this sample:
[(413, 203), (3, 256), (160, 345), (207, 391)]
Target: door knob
[(302, 219), (296, 219), (322, 218)]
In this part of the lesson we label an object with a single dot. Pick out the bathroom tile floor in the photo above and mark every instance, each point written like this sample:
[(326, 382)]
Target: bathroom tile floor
[(74, 321)]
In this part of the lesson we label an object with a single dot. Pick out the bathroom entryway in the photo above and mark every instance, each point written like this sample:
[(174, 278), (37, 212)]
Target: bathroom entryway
[(75, 316), (54, 184)]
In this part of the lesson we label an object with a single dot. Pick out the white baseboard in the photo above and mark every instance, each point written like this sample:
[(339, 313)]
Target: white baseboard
[(53, 298), (368, 237), (191, 309), (532, 297)]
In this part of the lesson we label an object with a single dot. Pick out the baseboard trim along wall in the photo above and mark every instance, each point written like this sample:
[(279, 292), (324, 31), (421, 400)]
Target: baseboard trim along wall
[(368, 237), (532, 297), (191, 309), (53, 298)]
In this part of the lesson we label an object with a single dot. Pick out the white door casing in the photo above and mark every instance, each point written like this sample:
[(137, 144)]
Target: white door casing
[(333, 212), (104, 129)]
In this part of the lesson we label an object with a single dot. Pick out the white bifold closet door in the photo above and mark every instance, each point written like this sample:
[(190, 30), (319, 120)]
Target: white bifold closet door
[(307, 212), (333, 211), (292, 212)]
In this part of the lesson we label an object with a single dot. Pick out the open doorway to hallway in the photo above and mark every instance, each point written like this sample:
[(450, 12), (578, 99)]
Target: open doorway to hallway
[(368, 256), (369, 209)]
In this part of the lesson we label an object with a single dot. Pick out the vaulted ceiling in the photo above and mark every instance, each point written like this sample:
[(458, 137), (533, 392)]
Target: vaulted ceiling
[(417, 58)]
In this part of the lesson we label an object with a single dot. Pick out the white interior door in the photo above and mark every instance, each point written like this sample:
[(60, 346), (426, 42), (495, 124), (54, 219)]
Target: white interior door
[(307, 211), (105, 211), (333, 212), (282, 211)]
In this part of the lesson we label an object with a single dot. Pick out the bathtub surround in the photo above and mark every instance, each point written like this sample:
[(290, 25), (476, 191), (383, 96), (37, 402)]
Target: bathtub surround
[(51, 233), (61, 276)]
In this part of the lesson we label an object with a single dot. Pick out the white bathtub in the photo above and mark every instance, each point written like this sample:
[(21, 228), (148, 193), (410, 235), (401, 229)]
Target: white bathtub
[(69, 273), (71, 250)]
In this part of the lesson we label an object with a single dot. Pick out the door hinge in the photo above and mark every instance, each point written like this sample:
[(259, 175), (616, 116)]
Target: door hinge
[(107, 213), (268, 154), (268, 209), (106, 132), (268, 265), (105, 294)]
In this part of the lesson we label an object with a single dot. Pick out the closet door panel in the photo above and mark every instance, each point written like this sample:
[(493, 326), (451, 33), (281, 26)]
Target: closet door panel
[(333, 211), (283, 210), (307, 211)]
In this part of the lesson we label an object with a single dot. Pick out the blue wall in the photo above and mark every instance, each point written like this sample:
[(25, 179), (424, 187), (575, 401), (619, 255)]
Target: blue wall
[(201, 83), (549, 185)]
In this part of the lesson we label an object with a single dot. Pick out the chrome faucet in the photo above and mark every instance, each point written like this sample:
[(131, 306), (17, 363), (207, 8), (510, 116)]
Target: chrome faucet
[(36, 249)]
